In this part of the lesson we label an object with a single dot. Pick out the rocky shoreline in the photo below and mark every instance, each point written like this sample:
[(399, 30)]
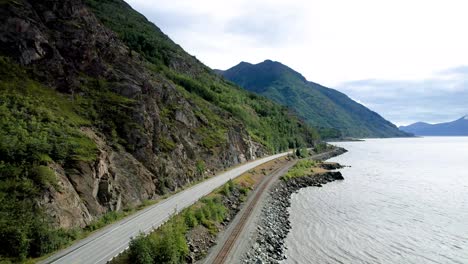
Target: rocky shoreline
[(274, 224)]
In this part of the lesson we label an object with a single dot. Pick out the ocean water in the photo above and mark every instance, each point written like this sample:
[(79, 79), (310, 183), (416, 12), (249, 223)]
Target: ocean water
[(402, 201)]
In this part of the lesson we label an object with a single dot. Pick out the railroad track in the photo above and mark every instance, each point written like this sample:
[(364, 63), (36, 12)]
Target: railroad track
[(223, 254), (226, 249)]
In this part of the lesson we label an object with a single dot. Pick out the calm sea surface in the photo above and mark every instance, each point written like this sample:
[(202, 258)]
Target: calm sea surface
[(402, 201)]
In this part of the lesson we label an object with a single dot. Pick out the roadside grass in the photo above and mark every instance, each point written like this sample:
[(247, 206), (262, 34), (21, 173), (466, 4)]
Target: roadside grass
[(301, 168), (168, 243), (245, 183), (77, 234)]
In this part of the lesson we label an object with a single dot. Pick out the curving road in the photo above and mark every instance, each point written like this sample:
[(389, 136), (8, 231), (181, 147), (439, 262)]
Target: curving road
[(105, 244)]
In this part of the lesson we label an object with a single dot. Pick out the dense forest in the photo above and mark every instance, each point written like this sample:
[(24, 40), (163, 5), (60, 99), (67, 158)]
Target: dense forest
[(332, 112)]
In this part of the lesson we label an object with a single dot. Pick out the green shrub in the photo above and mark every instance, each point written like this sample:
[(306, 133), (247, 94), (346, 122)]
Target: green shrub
[(216, 207), (105, 219), (201, 167), (167, 144), (301, 168), (230, 185), (43, 175), (14, 242), (141, 250), (226, 189), (244, 190), (200, 215), (171, 245), (190, 218), (38, 126), (302, 153), (31, 235), (321, 147), (166, 245), (44, 239)]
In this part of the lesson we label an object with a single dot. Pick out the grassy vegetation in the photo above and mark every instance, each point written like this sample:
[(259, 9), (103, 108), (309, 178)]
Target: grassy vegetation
[(266, 122), (41, 128), (301, 168), (106, 111), (321, 147), (302, 153), (334, 113), (329, 133), (38, 127), (168, 243)]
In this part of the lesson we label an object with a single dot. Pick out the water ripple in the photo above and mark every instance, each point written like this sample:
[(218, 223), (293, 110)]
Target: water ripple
[(402, 202)]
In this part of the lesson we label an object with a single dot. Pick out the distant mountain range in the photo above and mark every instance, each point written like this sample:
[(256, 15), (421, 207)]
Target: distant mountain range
[(458, 127), (334, 113)]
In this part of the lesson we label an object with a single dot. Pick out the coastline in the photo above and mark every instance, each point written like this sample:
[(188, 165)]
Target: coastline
[(273, 224)]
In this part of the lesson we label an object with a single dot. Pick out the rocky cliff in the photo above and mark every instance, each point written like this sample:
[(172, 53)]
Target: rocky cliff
[(158, 143)]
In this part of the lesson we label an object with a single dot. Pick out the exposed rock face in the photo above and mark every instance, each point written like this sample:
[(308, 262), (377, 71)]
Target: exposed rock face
[(63, 45), (116, 178), (65, 205), (199, 240), (330, 165)]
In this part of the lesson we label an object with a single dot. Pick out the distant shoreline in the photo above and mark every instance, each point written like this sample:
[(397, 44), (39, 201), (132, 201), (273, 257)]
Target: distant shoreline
[(345, 140)]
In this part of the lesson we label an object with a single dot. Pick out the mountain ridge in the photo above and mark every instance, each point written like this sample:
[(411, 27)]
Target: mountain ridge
[(101, 111), (458, 127), (320, 106)]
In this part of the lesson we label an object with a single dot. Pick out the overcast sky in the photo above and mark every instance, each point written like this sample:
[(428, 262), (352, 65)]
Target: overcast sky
[(405, 59)]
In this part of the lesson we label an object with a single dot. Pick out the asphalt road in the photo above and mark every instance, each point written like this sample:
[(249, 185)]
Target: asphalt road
[(105, 244)]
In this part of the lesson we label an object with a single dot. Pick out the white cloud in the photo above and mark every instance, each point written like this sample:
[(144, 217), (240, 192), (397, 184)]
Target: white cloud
[(443, 97), (328, 41), (333, 42)]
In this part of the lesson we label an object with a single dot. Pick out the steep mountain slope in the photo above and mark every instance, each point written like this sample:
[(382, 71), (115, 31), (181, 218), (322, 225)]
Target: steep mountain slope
[(458, 127), (318, 105), (101, 111)]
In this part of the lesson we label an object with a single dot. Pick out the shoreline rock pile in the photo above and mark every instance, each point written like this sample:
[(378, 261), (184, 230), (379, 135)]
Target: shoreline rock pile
[(274, 224)]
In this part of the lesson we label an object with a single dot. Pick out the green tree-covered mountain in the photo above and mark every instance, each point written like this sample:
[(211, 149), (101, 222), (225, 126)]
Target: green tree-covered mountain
[(320, 106), (101, 111)]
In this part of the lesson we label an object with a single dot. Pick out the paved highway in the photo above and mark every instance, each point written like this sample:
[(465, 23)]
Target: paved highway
[(105, 244)]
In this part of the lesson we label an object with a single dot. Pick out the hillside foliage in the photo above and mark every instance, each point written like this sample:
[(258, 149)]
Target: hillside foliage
[(332, 112), (267, 122), (38, 127), (41, 128)]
